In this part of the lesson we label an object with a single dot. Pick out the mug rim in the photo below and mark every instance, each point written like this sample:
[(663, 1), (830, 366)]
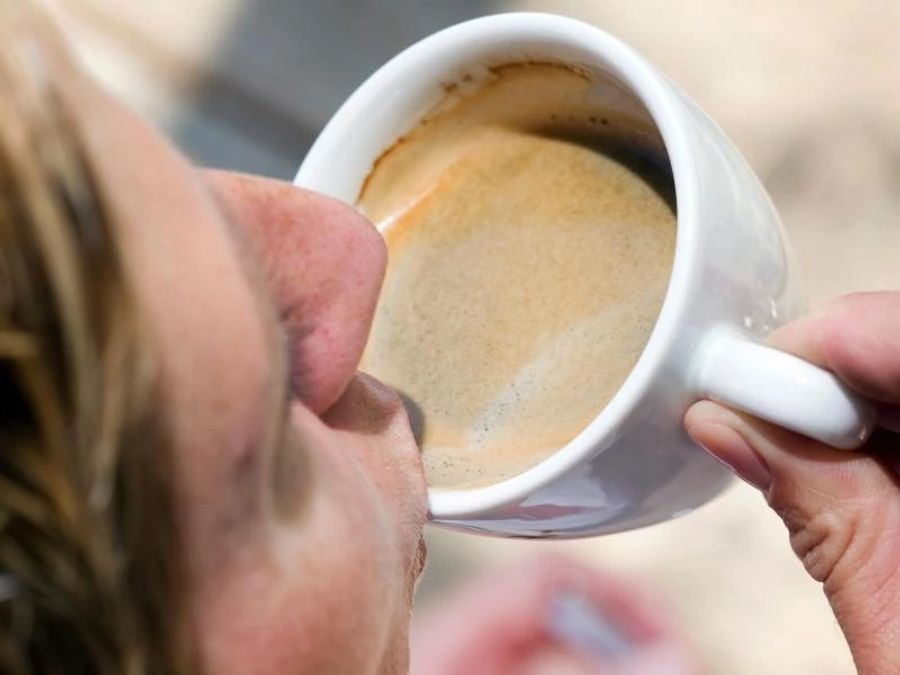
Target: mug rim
[(666, 110)]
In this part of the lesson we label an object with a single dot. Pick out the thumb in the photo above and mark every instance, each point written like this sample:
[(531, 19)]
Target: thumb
[(842, 512)]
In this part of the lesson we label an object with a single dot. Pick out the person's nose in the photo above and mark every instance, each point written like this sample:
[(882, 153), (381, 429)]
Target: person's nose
[(324, 263)]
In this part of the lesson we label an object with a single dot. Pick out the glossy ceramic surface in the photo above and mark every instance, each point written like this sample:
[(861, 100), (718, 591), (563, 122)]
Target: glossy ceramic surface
[(732, 283)]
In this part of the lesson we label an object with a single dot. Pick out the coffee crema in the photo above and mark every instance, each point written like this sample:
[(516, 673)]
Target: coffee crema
[(530, 238)]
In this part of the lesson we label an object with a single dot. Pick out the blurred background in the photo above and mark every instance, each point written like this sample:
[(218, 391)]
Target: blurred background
[(804, 88)]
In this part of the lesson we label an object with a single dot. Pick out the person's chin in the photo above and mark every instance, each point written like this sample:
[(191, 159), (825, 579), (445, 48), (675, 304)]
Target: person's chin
[(395, 660)]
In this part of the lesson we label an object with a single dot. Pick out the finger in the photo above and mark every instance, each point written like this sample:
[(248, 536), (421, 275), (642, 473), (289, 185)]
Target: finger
[(323, 263), (659, 659), (593, 635), (503, 618), (558, 662), (842, 512), (516, 601), (855, 337), (650, 661)]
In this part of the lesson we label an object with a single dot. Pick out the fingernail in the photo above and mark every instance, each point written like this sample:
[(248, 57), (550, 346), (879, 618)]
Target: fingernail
[(719, 431)]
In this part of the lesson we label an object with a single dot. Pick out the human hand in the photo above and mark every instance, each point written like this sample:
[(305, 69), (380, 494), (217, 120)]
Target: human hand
[(550, 615), (842, 509)]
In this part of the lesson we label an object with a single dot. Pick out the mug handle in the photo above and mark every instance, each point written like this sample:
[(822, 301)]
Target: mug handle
[(782, 389)]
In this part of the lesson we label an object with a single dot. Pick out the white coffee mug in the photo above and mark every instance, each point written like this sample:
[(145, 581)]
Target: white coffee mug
[(733, 281)]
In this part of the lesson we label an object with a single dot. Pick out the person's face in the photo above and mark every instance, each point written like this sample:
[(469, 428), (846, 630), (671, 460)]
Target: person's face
[(299, 488)]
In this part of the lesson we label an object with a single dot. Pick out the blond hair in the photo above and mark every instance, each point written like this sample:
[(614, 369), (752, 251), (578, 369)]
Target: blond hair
[(89, 562)]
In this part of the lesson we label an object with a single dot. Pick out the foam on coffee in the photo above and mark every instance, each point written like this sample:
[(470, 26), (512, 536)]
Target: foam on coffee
[(530, 239)]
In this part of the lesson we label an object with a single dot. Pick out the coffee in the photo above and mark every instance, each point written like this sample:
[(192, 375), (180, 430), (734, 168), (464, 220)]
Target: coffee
[(531, 236)]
